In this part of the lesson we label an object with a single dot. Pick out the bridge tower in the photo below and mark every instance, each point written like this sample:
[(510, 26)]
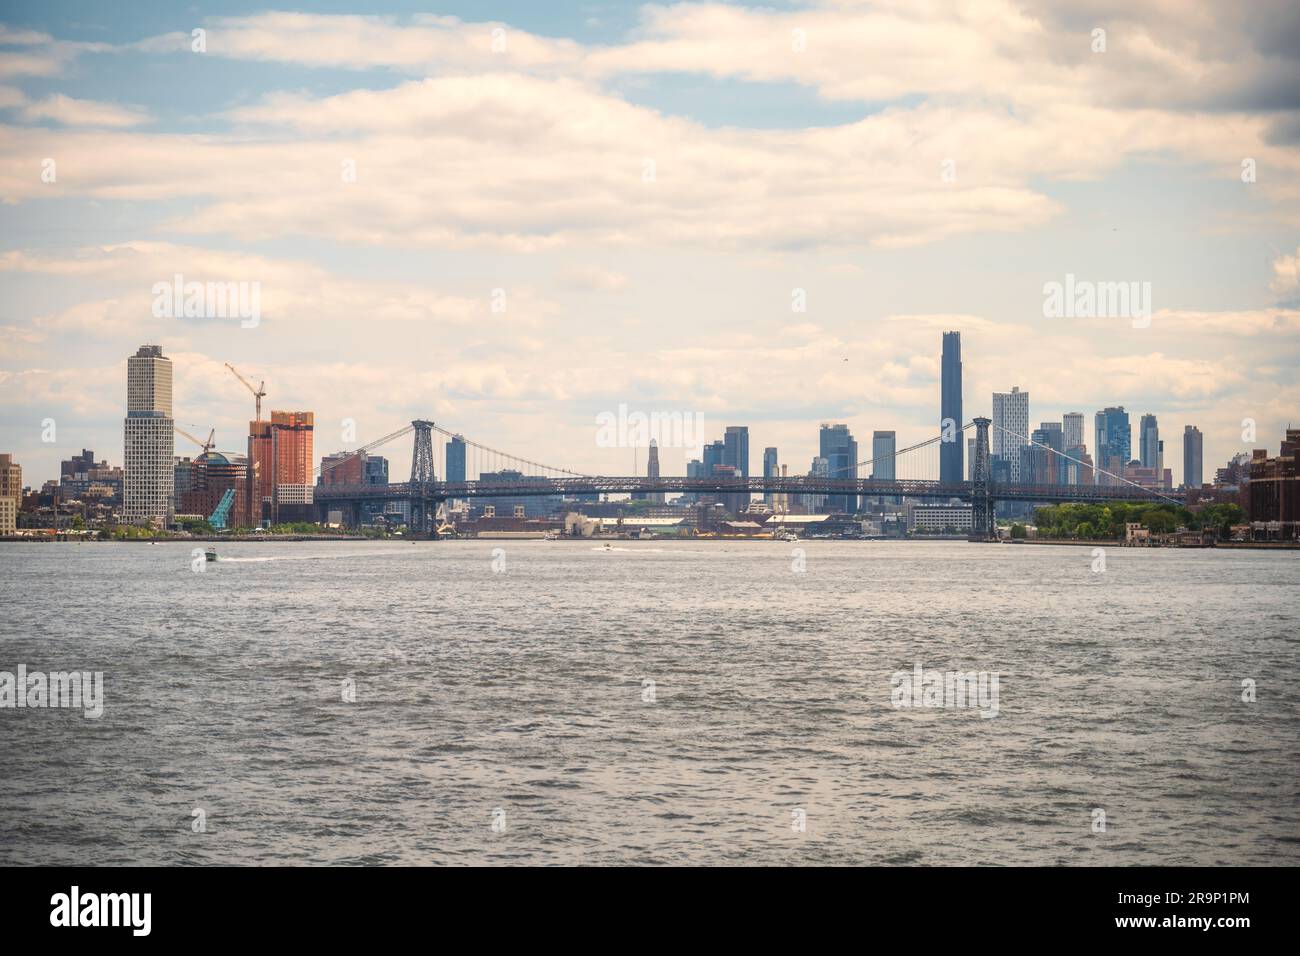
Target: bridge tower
[(422, 473), (422, 453), (983, 527)]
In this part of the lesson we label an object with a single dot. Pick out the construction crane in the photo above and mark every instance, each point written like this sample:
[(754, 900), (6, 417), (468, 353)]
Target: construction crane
[(258, 393), (205, 445)]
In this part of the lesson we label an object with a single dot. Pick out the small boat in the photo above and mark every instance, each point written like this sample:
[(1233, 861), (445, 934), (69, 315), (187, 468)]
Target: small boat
[(210, 554)]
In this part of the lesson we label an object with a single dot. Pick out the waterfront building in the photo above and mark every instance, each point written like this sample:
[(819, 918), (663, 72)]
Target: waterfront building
[(280, 454), (1275, 491), (950, 452), (11, 493), (940, 518), (8, 514), (148, 494), (1010, 430), (1192, 457)]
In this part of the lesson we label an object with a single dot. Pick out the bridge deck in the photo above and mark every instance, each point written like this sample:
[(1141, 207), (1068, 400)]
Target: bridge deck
[(532, 487)]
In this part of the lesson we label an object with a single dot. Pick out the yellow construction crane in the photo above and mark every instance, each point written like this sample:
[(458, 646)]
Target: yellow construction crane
[(205, 445), (258, 393)]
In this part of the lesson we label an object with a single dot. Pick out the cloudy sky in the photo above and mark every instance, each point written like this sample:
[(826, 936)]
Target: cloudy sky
[(648, 187)]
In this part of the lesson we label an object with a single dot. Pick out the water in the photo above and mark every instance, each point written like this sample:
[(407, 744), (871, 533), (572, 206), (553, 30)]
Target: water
[(522, 690)]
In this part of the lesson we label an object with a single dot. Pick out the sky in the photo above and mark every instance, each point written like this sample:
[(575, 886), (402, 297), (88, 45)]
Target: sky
[(511, 218)]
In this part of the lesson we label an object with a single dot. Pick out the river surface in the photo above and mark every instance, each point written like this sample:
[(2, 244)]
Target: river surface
[(656, 703)]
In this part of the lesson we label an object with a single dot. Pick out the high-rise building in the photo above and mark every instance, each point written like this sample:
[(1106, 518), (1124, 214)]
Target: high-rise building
[(950, 452), (148, 493), (820, 468), (770, 470), (1010, 430), (456, 459), (11, 493), (1192, 457), (11, 477), (883, 447), (1075, 447), (1114, 443), (1149, 443), (1072, 427), (837, 446), (652, 471), (280, 461), (736, 454)]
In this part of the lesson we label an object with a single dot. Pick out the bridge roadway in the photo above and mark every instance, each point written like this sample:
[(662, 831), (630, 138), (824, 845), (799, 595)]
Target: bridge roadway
[(435, 491)]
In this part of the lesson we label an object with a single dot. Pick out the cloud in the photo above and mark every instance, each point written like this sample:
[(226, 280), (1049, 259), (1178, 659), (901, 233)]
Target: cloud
[(1286, 278), (74, 112)]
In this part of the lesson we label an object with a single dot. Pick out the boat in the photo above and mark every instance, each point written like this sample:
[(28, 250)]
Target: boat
[(210, 554)]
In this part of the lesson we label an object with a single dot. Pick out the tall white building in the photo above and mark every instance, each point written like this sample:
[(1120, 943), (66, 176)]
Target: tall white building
[(1010, 431), (148, 489)]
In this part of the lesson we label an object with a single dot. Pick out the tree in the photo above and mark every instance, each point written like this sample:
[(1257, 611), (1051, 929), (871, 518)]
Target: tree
[(1018, 531)]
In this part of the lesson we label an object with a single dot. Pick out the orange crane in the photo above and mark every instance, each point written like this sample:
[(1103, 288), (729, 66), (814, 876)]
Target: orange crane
[(258, 393), (205, 445)]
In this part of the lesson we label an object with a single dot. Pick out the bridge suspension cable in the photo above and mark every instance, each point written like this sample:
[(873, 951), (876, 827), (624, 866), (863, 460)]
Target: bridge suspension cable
[(318, 472), (1096, 470), (897, 454), (497, 458)]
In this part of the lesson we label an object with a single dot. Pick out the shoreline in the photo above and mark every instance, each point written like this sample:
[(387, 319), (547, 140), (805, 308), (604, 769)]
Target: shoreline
[(307, 538)]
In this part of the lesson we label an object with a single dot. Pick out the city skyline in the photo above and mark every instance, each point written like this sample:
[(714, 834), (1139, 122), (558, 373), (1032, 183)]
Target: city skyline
[(413, 301)]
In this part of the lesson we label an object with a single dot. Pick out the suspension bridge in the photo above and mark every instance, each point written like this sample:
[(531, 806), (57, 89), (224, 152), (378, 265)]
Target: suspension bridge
[(910, 474)]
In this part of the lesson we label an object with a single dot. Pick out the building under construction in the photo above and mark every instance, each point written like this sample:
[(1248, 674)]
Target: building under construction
[(280, 468)]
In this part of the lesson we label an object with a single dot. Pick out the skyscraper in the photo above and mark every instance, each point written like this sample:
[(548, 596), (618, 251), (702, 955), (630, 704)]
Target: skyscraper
[(1192, 458), (1072, 423), (951, 452), (736, 454), (148, 492), (883, 446), (1072, 426), (770, 470), (837, 446), (1010, 430), (1149, 443), (1114, 443), (652, 471), (456, 459)]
